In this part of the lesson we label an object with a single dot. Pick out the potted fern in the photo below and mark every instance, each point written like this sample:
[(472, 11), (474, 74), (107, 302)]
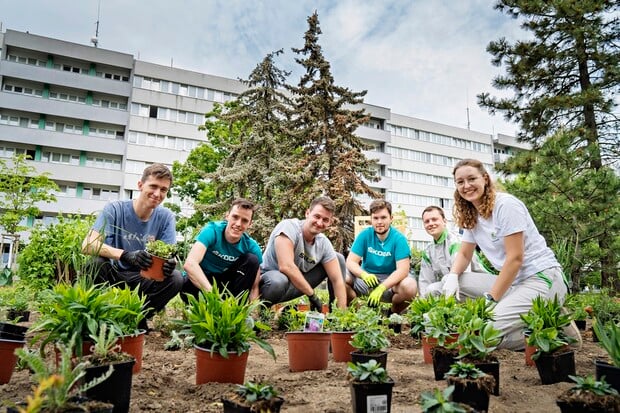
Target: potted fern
[(609, 338), (589, 396), (253, 397), (371, 387), (472, 386), (223, 331)]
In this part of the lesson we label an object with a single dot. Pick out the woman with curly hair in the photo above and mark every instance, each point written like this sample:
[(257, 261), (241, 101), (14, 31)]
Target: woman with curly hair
[(503, 229)]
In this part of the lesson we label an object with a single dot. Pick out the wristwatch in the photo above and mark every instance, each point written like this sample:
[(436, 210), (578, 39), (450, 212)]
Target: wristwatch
[(489, 297)]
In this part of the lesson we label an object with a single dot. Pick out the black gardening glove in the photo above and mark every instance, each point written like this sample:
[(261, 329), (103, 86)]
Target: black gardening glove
[(169, 266), (315, 303), (139, 258)]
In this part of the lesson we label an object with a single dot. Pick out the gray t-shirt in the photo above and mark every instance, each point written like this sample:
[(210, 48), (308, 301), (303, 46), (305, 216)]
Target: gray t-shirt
[(510, 216), (307, 256), (123, 229)]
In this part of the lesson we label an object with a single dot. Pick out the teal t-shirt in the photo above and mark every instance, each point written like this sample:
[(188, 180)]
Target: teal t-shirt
[(220, 253), (380, 257)]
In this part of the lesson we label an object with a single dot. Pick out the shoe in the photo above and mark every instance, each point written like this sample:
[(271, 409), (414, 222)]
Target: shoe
[(572, 331)]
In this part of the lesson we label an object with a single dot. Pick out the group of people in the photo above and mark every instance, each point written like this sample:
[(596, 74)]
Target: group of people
[(298, 256)]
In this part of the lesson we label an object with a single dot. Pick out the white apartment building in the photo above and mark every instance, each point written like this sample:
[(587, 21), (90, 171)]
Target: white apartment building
[(94, 118)]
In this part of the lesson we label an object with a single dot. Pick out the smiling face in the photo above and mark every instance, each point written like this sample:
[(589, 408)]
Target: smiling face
[(238, 221), (153, 191), (434, 223), (381, 220), (470, 183), (318, 219)]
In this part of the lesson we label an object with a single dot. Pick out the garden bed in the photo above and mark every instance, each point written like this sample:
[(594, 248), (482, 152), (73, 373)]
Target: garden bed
[(166, 382)]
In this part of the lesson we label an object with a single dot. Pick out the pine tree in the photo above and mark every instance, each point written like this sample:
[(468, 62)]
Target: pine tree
[(565, 78), (332, 161)]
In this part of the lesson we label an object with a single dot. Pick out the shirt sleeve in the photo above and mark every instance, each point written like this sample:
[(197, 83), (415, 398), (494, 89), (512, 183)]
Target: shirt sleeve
[(511, 217), (207, 236)]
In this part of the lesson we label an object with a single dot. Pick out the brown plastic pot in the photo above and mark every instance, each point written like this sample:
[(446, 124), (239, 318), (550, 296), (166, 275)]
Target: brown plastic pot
[(8, 359), (341, 348), (307, 350), (211, 367), (156, 270), (133, 345)]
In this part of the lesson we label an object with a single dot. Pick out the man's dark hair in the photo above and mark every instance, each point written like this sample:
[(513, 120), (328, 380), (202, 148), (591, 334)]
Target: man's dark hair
[(379, 204), (157, 171), (324, 201), (244, 204), (434, 207)]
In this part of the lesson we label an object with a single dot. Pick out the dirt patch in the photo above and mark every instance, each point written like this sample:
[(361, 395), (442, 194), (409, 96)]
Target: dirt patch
[(166, 382)]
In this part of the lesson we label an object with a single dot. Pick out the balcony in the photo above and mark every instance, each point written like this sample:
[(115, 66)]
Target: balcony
[(75, 173), (501, 157), (377, 135), (381, 157)]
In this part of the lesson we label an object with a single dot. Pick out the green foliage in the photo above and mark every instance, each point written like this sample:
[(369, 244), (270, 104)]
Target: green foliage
[(477, 338), (59, 382), (580, 304), (465, 371), (253, 392), (438, 401), (221, 322), (415, 260), (54, 253), (6, 276), (590, 385), (416, 310), (443, 319), (353, 318), (21, 189), (370, 340), (609, 338), (544, 325), (160, 249), (605, 307), (16, 296), (105, 348), (82, 308), (370, 371), (291, 319)]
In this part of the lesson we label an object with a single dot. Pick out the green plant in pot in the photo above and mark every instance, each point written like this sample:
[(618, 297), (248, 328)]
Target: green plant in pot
[(415, 313), (61, 384), (253, 397), (344, 322), (441, 325), (370, 379), (160, 253), (370, 343), (589, 396), (545, 323), (18, 304), (440, 401), (609, 338), (223, 328), (472, 386)]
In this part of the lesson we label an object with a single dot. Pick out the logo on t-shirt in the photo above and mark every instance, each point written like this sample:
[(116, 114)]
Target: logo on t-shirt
[(373, 251), (229, 258), (306, 258)]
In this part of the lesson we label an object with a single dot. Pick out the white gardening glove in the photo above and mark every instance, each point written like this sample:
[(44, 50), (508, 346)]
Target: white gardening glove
[(450, 286)]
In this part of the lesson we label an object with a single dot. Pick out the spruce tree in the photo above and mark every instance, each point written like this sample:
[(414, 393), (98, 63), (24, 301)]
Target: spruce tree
[(325, 119), (564, 78)]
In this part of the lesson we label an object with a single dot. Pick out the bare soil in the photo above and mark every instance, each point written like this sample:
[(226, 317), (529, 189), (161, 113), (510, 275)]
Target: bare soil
[(167, 380)]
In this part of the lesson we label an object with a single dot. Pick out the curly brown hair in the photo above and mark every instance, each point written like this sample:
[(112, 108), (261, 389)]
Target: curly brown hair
[(464, 212)]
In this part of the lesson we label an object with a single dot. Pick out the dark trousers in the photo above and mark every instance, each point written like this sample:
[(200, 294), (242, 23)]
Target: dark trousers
[(239, 277), (157, 293)]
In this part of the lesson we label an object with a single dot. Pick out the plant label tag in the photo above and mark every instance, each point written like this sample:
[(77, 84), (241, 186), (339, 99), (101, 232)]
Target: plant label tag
[(377, 404), (314, 321)]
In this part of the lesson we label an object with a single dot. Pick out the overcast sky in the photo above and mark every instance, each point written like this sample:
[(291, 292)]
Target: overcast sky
[(422, 58)]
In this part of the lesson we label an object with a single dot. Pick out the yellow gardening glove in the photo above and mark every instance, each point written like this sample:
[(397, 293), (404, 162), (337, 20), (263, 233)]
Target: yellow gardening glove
[(375, 296), (371, 280)]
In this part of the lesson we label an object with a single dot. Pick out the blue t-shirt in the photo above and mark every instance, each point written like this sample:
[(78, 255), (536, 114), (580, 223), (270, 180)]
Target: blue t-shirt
[(220, 253), (123, 229), (380, 257)]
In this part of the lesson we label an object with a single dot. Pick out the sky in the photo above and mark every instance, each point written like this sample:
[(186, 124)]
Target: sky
[(421, 58)]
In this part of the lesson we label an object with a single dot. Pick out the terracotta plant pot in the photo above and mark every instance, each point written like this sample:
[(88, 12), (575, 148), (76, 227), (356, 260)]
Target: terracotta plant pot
[(8, 359), (133, 345), (307, 350), (341, 348), (303, 307), (156, 270), (372, 397), (556, 367), (430, 342), (529, 351), (213, 368)]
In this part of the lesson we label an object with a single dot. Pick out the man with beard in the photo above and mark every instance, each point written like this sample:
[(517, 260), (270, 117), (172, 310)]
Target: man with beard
[(378, 264)]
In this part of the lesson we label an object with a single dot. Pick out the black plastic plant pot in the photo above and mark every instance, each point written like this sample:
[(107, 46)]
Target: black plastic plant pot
[(443, 358), (230, 406), (116, 389), (10, 331), (566, 407), (581, 324), (359, 357), (491, 368), (470, 394), (611, 373), (555, 367), (20, 316), (371, 397), (396, 327)]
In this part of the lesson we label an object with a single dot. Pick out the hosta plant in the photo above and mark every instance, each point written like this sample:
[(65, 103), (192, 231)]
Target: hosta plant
[(370, 340), (370, 371), (438, 401), (477, 339)]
